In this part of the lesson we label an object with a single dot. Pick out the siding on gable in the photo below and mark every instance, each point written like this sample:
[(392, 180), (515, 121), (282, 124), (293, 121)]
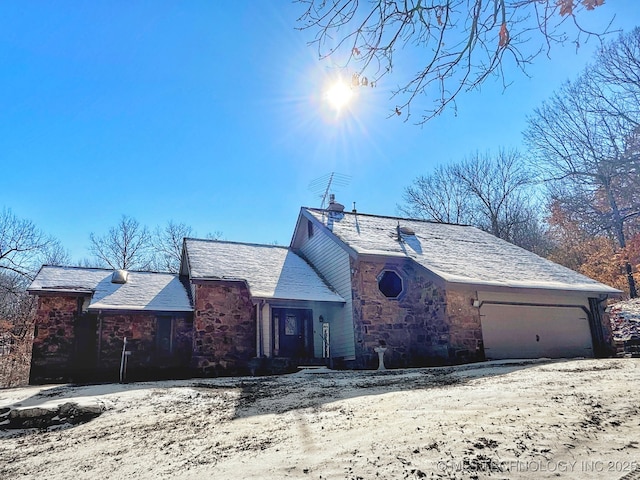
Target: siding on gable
[(333, 263)]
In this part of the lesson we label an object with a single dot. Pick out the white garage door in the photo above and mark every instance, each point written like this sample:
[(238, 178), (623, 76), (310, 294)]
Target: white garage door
[(515, 331)]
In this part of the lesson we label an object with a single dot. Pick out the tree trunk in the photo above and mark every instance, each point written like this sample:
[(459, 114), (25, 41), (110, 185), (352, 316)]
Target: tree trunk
[(633, 293), (618, 225)]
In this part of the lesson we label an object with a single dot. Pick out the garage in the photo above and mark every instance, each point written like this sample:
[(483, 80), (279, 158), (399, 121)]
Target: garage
[(524, 331)]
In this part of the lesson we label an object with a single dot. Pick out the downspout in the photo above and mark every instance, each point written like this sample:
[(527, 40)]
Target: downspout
[(597, 330), (260, 348)]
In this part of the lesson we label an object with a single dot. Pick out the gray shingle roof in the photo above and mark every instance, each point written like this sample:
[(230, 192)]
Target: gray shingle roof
[(270, 271), (143, 290), (456, 253)]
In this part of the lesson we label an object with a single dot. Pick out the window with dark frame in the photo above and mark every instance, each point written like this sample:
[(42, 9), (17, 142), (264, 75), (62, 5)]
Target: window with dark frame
[(164, 335), (390, 284), (309, 228)]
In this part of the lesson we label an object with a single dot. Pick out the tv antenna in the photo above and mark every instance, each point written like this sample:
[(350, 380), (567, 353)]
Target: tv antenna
[(321, 186)]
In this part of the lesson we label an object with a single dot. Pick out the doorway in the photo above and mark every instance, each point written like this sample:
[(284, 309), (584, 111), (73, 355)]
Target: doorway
[(86, 333), (293, 332)]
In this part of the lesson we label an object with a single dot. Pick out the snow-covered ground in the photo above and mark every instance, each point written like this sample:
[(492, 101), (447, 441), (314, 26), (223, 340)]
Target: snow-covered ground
[(511, 419)]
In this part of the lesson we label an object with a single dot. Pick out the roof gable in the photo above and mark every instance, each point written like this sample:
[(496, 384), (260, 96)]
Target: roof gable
[(147, 291), (270, 271), (456, 253)]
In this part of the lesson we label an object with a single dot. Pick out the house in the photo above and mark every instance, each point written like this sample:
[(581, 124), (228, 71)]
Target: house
[(349, 282), (254, 301), (84, 314)]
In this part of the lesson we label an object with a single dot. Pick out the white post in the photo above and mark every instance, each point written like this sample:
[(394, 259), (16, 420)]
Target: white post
[(380, 351), (123, 360)]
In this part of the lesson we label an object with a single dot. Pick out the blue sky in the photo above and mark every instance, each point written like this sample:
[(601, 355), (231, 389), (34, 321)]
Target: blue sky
[(212, 114)]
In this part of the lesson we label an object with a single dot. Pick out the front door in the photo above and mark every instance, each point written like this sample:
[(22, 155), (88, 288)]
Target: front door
[(293, 331), (85, 346)]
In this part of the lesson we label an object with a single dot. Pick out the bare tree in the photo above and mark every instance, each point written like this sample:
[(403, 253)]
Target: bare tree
[(16, 330), (23, 248), (126, 246), (216, 235), (439, 197), (167, 245), (617, 73), (589, 160), (498, 188), (460, 42), (492, 192)]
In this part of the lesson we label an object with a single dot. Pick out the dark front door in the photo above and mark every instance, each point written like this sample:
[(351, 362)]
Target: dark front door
[(294, 332), (85, 345)]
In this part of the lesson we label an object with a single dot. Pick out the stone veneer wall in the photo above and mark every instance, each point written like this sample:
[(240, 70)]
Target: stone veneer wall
[(414, 326), (55, 351), (140, 330), (465, 329), (53, 343), (224, 328)]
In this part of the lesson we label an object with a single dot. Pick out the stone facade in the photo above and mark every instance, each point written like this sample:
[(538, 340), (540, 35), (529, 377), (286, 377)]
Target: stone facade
[(224, 330), (145, 360), (414, 327), (425, 325), (54, 337), (465, 329), (73, 346)]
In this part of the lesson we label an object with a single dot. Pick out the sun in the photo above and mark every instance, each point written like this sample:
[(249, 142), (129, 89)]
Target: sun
[(339, 95)]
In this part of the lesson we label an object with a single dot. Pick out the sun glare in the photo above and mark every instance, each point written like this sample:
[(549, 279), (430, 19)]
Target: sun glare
[(339, 95)]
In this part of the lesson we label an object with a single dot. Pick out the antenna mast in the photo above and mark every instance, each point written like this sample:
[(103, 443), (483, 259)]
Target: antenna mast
[(322, 185), (326, 190)]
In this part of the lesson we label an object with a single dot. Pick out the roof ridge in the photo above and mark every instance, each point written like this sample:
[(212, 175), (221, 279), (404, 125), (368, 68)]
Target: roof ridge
[(105, 269), (231, 242), (389, 217)]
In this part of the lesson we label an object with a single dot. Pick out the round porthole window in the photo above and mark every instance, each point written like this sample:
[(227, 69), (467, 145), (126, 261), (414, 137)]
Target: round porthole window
[(390, 284)]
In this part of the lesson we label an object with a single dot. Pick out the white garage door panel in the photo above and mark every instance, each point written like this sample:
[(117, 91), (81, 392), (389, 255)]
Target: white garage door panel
[(513, 331)]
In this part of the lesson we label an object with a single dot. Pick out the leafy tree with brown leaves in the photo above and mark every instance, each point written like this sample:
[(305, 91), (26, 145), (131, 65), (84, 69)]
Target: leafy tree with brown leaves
[(589, 158), (596, 256)]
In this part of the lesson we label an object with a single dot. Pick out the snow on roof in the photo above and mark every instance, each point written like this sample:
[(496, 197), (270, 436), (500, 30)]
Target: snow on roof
[(143, 290), (270, 271), (456, 253)]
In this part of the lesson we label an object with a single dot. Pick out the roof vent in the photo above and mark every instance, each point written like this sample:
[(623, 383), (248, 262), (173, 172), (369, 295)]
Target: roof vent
[(119, 276), (407, 231), (333, 205)]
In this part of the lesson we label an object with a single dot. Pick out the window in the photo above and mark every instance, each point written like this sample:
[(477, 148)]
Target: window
[(164, 335), (390, 284), (309, 229), (291, 325)]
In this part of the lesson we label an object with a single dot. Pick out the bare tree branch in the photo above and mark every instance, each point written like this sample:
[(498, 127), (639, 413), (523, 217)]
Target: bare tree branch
[(589, 156), (24, 247), (126, 246), (167, 245), (460, 42), (492, 192)]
